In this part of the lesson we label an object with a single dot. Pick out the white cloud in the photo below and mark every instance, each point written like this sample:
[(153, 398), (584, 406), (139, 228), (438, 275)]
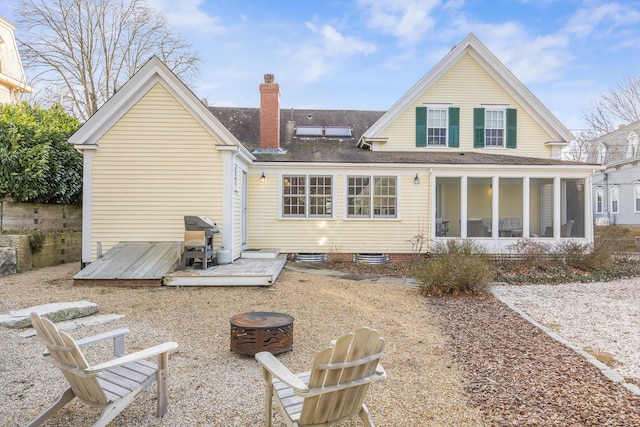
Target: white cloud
[(335, 44), (324, 55), (408, 20), (187, 14), (604, 17)]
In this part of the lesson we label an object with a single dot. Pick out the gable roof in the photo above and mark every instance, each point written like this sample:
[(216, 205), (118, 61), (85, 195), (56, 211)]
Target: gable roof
[(496, 69), (616, 143), (152, 72)]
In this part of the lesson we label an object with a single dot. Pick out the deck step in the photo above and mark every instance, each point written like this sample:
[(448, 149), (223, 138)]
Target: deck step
[(260, 253)]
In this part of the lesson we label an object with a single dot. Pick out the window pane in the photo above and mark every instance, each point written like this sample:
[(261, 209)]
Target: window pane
[(541, 207), (384, 199), (572, 208), (494, 128), (447, 207), (479, 207), (437, 127), (510, 207), (358, 197), (293, 196), (320, 197)]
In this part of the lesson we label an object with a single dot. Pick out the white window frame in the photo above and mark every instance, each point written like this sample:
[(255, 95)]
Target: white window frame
[(370, 197), (306, 196), (614, 199), (599, 199), (431, 108), (488, 112), (632, 145), (636, 197), (602, 154)]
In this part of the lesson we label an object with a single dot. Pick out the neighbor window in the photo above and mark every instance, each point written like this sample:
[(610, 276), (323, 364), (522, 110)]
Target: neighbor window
[(307, 196), (599, 200), (614, 196), (636, 195), (371, 197)]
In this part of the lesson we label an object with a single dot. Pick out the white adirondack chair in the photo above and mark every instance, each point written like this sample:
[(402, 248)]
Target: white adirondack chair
[(111, 385), (335, 388)]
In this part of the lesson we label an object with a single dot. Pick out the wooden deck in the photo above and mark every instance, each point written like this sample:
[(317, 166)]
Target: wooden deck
[(132, 264), (158, 263), (242, 272)]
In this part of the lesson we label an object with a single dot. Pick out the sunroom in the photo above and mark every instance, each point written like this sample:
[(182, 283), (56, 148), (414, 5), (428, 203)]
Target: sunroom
[(499, 209)]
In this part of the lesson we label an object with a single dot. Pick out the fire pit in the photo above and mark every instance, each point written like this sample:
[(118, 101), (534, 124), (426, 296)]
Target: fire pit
[(259, 331)]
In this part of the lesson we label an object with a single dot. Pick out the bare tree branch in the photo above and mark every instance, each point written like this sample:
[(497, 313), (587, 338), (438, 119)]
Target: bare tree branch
[(85, 50), (618, 106)]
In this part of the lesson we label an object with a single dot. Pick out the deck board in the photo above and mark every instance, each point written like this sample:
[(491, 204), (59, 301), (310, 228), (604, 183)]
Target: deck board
[(242, 272), (133, 261)]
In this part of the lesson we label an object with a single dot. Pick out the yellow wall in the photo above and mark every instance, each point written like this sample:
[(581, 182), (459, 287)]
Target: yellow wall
[(337, 235), (153, 167), (467, 85)]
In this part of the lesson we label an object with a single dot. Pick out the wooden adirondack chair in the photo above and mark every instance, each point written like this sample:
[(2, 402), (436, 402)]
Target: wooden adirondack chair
[(334, 389), (110, 385)]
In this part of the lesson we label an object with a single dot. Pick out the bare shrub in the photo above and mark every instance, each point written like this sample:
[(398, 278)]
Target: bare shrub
[(456, 267)]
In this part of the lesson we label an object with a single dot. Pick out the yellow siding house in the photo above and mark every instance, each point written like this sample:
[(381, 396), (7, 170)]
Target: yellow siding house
[(467, 152)]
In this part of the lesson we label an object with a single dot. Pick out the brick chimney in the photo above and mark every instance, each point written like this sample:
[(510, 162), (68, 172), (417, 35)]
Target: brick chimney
[(269, 114)]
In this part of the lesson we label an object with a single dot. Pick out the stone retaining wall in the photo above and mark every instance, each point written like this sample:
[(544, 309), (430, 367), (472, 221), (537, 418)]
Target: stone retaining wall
[(39, 217)]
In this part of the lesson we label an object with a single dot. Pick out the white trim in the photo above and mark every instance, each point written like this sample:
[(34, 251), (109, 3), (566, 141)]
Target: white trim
[(87, 171), (228, 229), (494, 67), (154, 71)]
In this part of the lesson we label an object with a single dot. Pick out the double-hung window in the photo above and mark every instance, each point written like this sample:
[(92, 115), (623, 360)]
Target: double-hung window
[(599, 200), (436, 127), (494, 128), (614, 196), (307, 196), (372, 197), (636, 196)]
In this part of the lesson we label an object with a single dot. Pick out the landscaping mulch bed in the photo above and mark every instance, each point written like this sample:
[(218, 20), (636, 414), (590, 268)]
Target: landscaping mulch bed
[(519, 376)]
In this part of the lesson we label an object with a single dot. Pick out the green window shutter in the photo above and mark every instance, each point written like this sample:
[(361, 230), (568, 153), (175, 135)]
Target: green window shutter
[(421, 126), (454, 127), (478, 127), (512, 128)]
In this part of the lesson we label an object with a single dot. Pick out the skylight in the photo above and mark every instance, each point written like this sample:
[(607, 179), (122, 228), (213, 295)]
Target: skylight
[(326, 131), (344, 131), (309, 130)]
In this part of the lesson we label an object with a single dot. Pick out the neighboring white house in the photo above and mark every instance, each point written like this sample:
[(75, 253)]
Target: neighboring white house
[(616, 189), (13, 82)]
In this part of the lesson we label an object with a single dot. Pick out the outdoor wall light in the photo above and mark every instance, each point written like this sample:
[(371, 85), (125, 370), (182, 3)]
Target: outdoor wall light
[(263, 179), (416, 180)]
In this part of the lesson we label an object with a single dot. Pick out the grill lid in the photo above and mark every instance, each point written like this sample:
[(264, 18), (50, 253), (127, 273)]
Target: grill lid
[(197, 223)]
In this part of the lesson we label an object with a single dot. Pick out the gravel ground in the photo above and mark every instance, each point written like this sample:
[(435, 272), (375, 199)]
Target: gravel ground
[(211, 386)]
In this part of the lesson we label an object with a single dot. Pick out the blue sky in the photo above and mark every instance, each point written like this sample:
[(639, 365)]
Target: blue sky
[(365, 54)]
